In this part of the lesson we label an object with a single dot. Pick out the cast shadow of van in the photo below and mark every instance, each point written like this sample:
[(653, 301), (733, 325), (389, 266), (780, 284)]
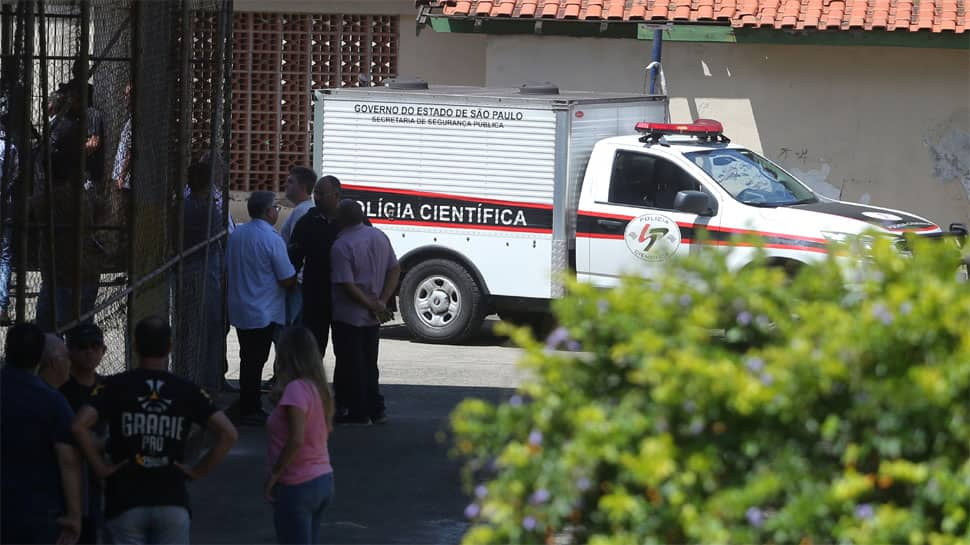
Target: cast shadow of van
[(486, 336)]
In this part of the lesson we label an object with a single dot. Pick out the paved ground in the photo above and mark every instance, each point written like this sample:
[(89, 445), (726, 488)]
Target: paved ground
[(394, 483), (487, 360)]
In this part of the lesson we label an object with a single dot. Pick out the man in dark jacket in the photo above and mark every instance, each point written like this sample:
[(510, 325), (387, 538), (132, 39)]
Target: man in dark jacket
[(309, 247)]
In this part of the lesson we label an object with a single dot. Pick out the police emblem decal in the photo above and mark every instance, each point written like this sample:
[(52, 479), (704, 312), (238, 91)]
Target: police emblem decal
[(652, 237)]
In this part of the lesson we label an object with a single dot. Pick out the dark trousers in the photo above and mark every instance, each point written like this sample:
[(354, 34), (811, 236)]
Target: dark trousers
[(355, 376), (254, 345), (89, 531), (316, 318), (29, 527)]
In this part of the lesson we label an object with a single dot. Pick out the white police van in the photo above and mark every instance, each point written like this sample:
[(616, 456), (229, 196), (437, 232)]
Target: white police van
[(490, 195)]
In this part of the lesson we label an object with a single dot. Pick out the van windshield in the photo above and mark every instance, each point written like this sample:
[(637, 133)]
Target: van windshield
[(751, 178)]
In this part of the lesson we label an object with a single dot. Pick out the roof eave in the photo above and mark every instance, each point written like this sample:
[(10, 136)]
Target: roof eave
[(690, 31)]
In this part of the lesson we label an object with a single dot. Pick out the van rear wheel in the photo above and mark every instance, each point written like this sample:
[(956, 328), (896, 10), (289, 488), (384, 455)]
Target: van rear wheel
[(441, 302)]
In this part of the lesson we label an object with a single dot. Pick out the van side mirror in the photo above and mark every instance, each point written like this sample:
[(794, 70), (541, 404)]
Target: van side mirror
[(695, 202), (959, 230)]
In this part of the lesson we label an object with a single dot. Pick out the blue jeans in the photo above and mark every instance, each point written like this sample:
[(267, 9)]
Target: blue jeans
[(65, 303), (298, 510), (149, 525), (6, 240)]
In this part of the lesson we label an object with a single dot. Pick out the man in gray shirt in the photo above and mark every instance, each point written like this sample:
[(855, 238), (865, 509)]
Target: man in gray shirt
[(365, 274)]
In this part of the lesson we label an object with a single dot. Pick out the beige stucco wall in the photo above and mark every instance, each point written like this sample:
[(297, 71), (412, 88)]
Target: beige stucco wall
[(885, 125)]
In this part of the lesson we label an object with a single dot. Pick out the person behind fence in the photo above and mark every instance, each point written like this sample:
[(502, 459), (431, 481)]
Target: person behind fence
[(86, 349), (9, 170), (309, 248), (150, 412), (55, 364), (40, 490), (94, 146), (299, 480), (202, 322), (299, 186), (365, 274), (219, 184), (121, 171), (259, 273), (55, 305)]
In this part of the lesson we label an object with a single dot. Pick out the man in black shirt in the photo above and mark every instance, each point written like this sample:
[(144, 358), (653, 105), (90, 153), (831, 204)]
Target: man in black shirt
[(309, 247), (150, 413), (85, 346)]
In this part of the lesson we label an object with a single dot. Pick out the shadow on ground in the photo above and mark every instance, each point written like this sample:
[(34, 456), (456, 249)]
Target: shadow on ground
[(486, 336), (395, 483)]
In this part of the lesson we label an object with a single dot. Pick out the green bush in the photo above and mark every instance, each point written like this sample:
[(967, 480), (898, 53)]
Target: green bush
[(737, 407)]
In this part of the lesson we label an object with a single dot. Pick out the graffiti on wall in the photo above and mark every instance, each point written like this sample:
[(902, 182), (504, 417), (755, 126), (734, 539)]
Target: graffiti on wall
[(949, 147), (795, 161)]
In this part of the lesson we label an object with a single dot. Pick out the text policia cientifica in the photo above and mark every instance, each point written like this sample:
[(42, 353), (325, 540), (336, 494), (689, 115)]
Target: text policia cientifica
[(479, 214)]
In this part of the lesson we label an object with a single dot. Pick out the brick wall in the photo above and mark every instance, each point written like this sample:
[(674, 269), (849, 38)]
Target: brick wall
[(278, 60)]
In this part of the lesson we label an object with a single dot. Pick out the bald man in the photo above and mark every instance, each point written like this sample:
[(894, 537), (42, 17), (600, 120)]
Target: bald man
[(364, 274), (55, 362)]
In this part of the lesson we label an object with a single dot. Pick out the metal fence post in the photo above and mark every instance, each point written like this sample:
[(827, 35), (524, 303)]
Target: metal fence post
[(27, 178), (81, 81)]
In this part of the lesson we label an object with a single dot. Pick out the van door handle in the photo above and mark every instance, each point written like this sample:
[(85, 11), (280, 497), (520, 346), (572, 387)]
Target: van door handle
[(610, 224)]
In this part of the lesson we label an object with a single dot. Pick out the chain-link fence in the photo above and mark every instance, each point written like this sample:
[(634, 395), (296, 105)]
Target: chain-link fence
[(115, 139)]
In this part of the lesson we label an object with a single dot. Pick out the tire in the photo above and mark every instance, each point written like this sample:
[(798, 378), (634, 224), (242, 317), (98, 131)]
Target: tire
[(441, 302)]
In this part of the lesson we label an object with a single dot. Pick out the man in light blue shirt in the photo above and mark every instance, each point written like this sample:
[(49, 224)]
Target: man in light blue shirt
[(259, 274)]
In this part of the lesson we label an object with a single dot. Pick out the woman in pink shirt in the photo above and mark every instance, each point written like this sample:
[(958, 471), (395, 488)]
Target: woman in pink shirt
[(300, 480)]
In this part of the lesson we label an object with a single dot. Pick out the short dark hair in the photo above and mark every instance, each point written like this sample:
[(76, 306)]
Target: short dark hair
[(24, 346), (153, 337), (305, 176), (349, 213), (199, 177), (259, 202), (332, 180)]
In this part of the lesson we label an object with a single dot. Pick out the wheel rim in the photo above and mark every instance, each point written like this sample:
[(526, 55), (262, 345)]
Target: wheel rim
[(437, 302)]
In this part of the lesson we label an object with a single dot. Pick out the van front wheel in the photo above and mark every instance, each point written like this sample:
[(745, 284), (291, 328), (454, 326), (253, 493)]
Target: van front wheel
[(441, 302)]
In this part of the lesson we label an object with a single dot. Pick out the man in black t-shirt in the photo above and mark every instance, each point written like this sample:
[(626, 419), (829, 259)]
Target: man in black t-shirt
[(150, 413), (85, 345)]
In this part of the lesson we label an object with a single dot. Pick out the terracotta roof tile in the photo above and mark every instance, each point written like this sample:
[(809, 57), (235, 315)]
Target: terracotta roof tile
[(660, 9), (911, 15), (550, 8), (637, 12), (528, 9)]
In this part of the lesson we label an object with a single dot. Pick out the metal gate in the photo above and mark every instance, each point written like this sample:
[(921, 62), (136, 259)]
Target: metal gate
[(108, 106)]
